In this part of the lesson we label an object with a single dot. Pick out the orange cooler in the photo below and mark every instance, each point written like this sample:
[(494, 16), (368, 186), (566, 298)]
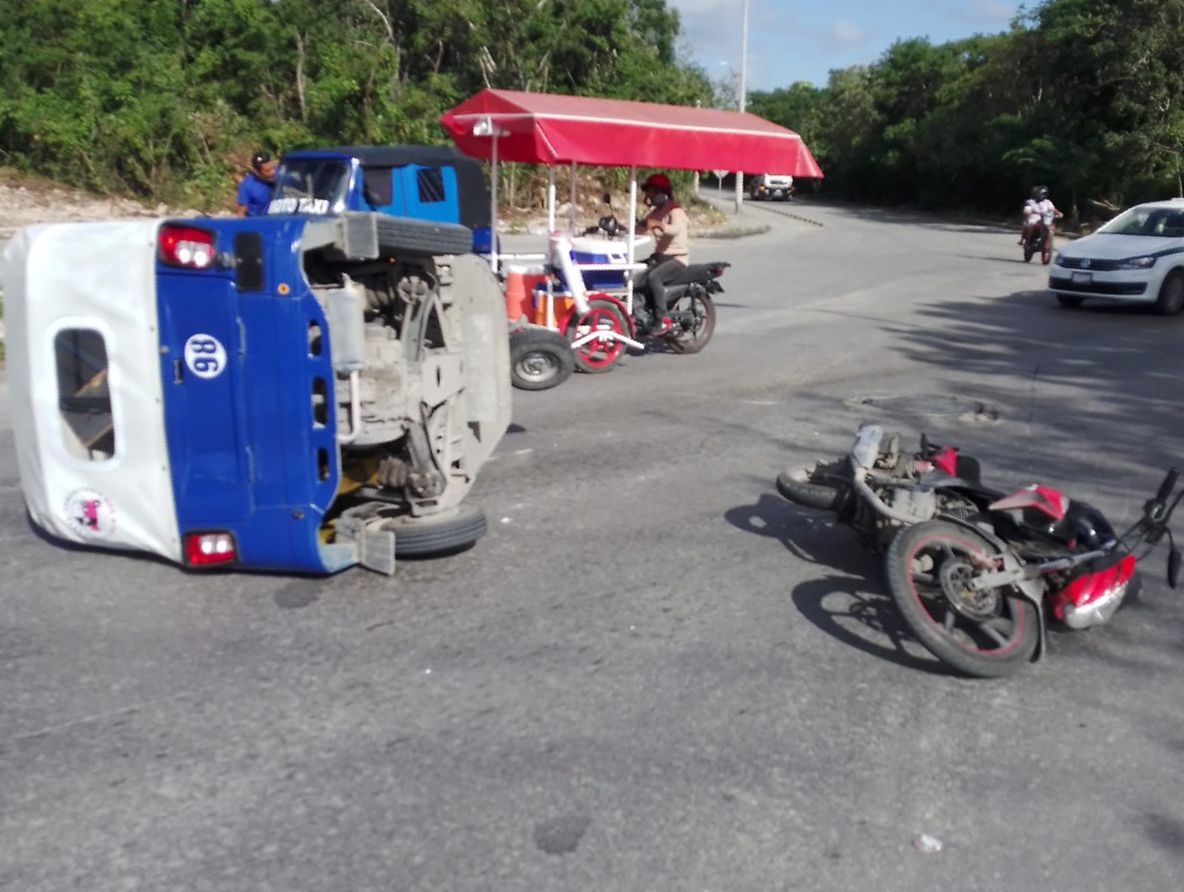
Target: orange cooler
[(563, 304), (520, 282)]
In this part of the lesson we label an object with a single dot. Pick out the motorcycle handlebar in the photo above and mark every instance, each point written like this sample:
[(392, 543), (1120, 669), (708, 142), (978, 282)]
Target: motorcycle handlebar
[(1157, 513), (1169, 484)]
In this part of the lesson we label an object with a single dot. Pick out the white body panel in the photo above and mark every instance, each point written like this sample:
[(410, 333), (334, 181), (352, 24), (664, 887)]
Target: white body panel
[(98, 277)]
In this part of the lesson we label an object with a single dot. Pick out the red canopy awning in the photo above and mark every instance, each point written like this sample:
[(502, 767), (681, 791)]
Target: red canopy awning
[(543, 128)]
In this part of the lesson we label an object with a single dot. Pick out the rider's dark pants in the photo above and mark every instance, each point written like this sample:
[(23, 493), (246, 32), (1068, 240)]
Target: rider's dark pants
[(657, 278)]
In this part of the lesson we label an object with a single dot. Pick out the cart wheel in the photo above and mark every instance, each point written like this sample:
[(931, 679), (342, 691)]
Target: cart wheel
[(539, 358), (600, 353)]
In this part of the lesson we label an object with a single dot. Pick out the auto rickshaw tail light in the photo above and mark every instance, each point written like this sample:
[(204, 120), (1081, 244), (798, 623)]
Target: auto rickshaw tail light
[(210, 548), (186, 246)]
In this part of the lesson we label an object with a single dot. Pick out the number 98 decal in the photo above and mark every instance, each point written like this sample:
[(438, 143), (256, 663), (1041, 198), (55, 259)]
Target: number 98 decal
[(205, 356)]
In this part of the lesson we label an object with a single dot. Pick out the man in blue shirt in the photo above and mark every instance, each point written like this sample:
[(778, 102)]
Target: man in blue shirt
[(254, 192)]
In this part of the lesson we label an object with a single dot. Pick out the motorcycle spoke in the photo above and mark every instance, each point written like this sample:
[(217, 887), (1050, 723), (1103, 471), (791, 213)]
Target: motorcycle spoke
[(995, 634), (949, 619)]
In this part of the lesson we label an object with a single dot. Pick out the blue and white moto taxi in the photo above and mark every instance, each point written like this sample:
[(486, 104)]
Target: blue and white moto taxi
[(275, 392)]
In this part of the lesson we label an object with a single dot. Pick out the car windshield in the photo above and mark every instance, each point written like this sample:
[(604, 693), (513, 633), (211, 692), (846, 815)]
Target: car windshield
[(1153, 221), (310, 186)]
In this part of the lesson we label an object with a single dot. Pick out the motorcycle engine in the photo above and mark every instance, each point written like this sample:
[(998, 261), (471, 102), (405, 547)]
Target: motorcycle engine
[(917, 501)]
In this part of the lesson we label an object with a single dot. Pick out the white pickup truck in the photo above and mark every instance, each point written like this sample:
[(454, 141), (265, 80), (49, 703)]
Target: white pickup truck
[(770, 186)]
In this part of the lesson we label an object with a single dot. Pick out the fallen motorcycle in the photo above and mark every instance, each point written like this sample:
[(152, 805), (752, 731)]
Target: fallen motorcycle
[(978, 593), (976, 574), (878, 488)]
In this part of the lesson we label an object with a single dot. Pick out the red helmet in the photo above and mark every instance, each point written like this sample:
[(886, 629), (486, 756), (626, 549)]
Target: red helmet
[(658, 181)]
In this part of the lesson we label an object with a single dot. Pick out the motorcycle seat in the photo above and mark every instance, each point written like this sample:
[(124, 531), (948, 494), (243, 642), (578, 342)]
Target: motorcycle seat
[(696, 272)]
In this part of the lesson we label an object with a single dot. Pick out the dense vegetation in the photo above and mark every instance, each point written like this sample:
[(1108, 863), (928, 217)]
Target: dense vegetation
[(1084, 95), (165, 98)]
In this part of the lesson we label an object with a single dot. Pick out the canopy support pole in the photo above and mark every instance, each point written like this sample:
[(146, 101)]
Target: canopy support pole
[(550, 199), (632, 241), (493, 258), (571, 212)]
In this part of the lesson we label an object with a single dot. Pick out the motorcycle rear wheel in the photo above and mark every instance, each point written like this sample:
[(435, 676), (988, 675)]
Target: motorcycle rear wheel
[(695, 338), (986, 634), (820, 486)]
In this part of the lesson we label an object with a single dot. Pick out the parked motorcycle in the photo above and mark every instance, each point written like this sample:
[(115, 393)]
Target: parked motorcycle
[(978, 574)]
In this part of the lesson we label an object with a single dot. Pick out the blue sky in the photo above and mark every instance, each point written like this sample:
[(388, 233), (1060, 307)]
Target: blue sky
[(793, 40)]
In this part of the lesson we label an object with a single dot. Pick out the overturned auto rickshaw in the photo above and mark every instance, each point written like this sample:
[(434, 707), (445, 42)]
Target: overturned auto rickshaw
[(587, 291), (283, 393)]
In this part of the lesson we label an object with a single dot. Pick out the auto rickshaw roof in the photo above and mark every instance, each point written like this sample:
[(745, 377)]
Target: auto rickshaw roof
[(545, 128), (378, 161), (387, 156)]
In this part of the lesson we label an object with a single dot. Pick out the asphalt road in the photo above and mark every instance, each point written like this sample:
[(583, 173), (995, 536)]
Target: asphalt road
[(653, 674)]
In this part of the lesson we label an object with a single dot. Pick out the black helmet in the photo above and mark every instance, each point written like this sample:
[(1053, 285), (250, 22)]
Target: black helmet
[(1040, 192), (259, 159)]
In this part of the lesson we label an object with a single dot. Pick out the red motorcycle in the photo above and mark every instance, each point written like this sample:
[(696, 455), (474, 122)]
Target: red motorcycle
[(977, 573), (978, 593)]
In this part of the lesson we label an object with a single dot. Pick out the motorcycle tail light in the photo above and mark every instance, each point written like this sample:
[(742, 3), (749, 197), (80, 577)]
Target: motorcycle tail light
[(186, 246), (210, 548), (717, 271)]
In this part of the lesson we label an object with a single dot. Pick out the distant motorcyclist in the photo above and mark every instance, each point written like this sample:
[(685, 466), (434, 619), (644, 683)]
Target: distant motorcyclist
[(668, 223), (1039, 209)]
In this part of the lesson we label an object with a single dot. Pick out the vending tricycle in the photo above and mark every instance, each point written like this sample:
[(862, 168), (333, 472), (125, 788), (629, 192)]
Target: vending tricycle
[(590, 287)]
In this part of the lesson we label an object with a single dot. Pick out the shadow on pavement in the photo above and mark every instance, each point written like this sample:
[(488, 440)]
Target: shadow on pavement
[(863, 619)]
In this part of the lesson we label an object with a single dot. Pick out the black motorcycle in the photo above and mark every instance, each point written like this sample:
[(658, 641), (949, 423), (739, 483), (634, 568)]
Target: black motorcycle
[(690, 307), (1039, 241)]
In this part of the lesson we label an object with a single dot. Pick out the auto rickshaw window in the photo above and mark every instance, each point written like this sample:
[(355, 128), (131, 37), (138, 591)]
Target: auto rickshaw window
[(84, 398), (430, 183), (378, 186)]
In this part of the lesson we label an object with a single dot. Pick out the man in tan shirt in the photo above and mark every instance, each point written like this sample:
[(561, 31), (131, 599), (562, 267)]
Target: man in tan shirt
[(668, 224)]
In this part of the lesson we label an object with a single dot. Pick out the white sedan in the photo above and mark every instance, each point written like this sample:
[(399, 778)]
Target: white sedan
[(1138, 257)]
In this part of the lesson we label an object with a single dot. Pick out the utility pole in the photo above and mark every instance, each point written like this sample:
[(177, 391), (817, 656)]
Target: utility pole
[(743, 91)]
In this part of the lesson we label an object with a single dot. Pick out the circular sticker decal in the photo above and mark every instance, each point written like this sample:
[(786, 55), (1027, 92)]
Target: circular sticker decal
[(205, 356), (90, 513)]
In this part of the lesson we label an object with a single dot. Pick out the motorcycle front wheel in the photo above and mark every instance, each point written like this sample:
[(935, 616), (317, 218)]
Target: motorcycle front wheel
[(699, 312), (985, 634)]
